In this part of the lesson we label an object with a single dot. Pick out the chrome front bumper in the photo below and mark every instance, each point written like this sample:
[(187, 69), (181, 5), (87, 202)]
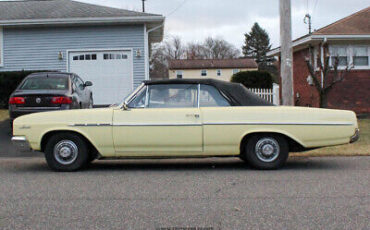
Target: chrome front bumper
[(355, 137), (21, 143)]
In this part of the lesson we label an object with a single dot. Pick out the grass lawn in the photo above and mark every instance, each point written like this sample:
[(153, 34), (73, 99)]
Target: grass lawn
[(4, 114), (359, 148)]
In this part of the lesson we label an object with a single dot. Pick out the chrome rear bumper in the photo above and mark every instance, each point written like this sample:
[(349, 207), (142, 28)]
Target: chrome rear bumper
[(21, 143), (355, 137)]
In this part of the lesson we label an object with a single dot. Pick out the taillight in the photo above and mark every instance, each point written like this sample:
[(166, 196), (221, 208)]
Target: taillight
[(61, 100), (16, 101)]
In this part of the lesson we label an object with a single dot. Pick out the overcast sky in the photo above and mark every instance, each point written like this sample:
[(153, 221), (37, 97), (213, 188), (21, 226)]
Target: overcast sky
[(194, 20)]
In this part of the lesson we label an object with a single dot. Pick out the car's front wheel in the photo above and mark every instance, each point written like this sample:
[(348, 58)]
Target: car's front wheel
[(266, 151), (66, 152)]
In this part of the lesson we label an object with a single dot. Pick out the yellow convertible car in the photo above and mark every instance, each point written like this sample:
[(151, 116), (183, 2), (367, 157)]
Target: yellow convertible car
[(184, 118)]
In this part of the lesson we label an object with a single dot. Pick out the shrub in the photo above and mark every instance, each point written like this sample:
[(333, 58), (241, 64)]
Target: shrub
[(9, 82), (254, 79)]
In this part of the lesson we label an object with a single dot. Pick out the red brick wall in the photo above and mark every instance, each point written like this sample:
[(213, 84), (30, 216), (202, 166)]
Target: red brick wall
[(308, 95), (353, 93)]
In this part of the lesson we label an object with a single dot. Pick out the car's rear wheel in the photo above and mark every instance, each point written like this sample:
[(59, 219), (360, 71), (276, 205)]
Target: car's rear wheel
[(266, 151), (66, 152)]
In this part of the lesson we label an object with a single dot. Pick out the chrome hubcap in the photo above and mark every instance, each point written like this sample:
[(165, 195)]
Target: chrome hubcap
[(267, 149), (65, 152)]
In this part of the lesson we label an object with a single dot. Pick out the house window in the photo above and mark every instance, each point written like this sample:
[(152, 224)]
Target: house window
[(339, 52), (360, 56), (84, 57), (219, 72), (1, 47), (112, 56), (235, 71), (203, 72), (179, 74)]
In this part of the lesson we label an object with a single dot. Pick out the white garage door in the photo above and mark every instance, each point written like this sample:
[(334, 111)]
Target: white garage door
[(110, 72)]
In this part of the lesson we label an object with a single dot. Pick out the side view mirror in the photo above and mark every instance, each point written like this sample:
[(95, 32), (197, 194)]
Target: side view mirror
[(88, 83), (125, 106)]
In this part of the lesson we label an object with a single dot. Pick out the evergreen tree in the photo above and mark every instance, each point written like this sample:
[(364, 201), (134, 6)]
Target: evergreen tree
[(257, 43)]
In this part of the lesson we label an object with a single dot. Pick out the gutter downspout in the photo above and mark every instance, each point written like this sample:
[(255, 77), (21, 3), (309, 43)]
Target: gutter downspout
[(322, 60), (147, 68)]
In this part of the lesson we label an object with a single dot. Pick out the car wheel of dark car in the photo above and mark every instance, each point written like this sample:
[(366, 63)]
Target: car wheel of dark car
[(66, 152), (266, 151)]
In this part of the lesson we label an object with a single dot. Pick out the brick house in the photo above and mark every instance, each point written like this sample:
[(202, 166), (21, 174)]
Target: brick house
[(348, 40)]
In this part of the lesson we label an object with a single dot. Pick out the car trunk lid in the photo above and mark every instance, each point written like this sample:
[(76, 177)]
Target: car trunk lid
[(41, 98)]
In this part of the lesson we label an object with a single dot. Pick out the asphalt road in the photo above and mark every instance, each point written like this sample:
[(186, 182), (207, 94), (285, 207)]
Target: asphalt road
[(309, 193)]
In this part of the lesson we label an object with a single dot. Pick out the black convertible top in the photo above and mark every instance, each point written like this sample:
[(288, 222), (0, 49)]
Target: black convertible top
[(236, 93)]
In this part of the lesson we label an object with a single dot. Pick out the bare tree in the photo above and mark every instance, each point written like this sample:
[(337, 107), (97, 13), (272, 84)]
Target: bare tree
[(163, 52), (216, 48), (174, 48), (195, 51), (330, 73), (158, 62)]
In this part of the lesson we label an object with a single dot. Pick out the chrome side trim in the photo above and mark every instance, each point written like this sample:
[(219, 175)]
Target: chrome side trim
[(153, 125), (90, 125), (214, 123), (279, 123)]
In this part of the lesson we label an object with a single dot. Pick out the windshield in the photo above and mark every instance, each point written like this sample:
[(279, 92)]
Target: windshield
[(45, 83)]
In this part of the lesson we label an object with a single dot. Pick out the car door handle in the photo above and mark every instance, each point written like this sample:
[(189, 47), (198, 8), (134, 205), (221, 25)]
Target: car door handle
[(192, 115)]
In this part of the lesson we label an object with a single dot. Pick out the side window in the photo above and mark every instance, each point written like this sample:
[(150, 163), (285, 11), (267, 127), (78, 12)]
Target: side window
[(139, 100), (79, 83), (173, 96), (211, 97)]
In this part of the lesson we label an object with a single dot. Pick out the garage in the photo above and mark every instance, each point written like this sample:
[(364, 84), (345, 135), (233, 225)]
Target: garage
[(111, 72)]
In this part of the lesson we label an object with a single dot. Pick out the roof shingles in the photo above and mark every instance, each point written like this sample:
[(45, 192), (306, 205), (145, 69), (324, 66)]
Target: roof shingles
[(60, 9), (355, 24)]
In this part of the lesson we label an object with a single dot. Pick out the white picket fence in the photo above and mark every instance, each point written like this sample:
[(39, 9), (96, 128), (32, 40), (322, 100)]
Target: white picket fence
[(271, 95)]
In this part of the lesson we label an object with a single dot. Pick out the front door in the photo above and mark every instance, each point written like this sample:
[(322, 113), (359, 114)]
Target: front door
[(163, 120)]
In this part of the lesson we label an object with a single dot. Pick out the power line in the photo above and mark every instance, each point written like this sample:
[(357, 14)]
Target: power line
[(177, 8), (314, 8)]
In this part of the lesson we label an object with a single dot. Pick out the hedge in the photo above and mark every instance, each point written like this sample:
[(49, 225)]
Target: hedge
[(9, 82), (254, 79)]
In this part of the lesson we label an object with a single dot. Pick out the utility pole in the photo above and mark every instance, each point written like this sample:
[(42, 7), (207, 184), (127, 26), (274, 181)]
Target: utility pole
[(286, 57), (143, 1)]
